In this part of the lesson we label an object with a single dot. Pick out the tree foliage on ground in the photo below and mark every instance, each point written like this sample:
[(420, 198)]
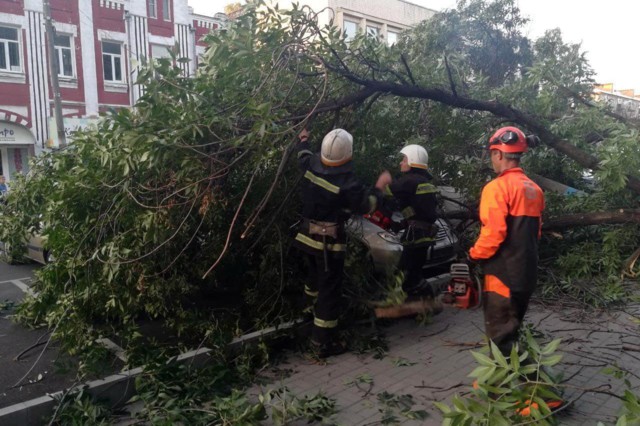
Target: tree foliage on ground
[(193, 192)]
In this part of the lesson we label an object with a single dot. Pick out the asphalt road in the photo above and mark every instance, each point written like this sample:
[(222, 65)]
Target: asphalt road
[(40, 370)]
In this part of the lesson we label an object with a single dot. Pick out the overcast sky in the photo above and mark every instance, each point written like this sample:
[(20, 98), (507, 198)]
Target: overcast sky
[(608, 30)]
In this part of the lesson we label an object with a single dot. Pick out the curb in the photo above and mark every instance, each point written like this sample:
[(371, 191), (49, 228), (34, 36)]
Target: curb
[(118, 388)]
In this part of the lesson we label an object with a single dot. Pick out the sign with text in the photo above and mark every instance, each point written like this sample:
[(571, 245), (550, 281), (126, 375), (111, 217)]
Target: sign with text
[(70, 125), (14, 134)]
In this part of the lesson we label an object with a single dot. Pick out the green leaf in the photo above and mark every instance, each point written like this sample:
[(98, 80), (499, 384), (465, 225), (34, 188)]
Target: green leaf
[(478, 371), (551, 347), (483, 359), (497, 355), (514, 358), (552, 360)]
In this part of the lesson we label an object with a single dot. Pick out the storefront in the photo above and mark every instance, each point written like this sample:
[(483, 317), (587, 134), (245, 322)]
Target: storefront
[(16, 147)]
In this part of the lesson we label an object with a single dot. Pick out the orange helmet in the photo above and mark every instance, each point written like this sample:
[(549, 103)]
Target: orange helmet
[(508, 139)]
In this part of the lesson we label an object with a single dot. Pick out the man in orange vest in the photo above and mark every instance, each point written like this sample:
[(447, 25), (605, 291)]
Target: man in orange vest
[(511, 208)]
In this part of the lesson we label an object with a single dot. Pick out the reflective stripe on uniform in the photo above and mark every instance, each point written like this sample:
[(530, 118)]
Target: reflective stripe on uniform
[(387, 191), (426, 188), (304, 152), (495, 285), (325, 323), (319, 245), (420, 241), (322, 183), (310, 292), (408, 212)]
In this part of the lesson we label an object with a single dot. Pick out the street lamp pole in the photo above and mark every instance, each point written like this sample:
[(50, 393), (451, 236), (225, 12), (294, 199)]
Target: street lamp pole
[(53, 71)]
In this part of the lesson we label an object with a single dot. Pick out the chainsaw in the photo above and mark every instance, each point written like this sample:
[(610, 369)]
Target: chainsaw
[(462, 291)]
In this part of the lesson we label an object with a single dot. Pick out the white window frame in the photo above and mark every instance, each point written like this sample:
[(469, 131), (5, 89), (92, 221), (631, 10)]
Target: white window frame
[(72, 50), (6, 43), (112, 57), (153, 8), (166, 10), (345, 23)]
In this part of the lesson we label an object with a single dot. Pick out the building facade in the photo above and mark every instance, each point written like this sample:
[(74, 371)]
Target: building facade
[(99, 46), (383, 19), (623, 102)]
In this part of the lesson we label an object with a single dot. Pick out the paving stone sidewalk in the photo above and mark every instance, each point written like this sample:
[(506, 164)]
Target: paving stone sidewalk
[(431, 363)]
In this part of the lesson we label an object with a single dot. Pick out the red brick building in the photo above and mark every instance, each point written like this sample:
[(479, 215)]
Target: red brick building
[(99, 45)]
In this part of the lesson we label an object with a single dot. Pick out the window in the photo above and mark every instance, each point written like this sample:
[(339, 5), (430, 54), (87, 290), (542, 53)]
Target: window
[(392, 38), (64, 55), (159, 51), (350, 29), (9, 50), (166, 10), (112, 61), (153, 9), (372, 31)]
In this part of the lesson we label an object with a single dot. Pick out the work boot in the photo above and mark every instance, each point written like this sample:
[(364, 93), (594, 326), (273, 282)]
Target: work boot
[(422, 289)]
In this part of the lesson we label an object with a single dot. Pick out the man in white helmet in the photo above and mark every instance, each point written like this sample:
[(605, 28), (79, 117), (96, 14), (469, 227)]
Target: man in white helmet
[(414, 196), (330, 194)]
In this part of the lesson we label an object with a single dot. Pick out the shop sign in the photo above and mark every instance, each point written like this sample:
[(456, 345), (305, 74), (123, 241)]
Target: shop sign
[(7, 135), (13, 134), (71, 125)]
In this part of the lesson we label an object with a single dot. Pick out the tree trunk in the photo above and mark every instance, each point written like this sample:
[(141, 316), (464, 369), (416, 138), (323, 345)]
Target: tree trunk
[(597, 218)]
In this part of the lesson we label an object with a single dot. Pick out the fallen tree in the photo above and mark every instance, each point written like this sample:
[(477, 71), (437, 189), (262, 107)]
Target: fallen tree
[(193, 191)]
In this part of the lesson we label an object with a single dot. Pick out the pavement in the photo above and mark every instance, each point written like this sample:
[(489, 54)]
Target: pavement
[(424, 363), (29, 366), (428, 363)]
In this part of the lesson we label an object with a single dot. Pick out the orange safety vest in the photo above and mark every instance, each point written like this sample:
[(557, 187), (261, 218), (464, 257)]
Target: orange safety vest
[(511, 215)]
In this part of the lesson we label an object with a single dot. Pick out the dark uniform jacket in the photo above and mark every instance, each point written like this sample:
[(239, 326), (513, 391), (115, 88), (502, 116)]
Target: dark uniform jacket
[(415, 197), (511, 214), (330, 195)]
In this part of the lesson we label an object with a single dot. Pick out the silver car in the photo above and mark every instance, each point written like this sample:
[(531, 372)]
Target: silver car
[(385, 248), (34, 249)]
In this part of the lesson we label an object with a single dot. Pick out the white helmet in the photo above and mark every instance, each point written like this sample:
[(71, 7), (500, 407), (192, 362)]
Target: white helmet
[(416, 156), (337, 148)]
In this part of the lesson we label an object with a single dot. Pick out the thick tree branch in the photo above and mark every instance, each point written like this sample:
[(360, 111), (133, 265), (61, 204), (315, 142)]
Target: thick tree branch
[(597, 218), (559, 223), (583, 158)]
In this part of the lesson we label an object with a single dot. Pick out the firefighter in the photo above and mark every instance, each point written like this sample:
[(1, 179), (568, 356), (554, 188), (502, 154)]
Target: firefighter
[(511, 208), (415, 196), (330, 194)]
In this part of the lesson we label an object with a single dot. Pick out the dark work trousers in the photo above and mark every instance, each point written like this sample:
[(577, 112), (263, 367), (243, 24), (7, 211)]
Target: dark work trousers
[(411, 262), (329, 289), (503, 317), (310, 295)]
